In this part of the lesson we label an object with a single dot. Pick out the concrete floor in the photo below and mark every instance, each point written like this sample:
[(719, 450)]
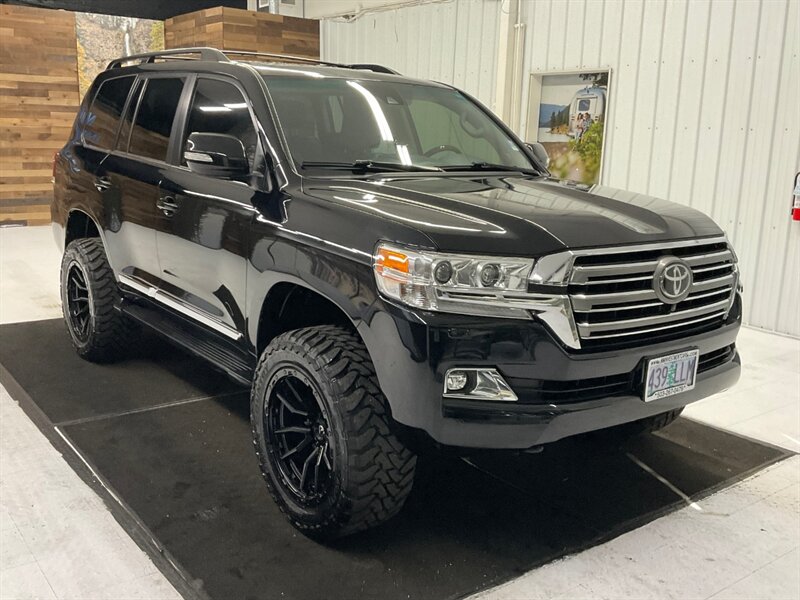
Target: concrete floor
[(58, 540)]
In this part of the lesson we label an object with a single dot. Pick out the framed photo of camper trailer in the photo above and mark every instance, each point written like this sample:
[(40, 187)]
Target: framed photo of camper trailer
[(567, 114)]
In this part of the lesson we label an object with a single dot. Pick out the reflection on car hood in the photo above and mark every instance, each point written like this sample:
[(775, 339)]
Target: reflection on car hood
[(517, 215)]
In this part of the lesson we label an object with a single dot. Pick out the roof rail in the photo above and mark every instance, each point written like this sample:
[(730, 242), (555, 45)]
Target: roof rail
[(371, 67), (204, 53), (215, 55), (315, 61), (303, 59)]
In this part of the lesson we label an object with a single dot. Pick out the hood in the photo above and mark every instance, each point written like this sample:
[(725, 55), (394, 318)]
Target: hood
[(516, 215)]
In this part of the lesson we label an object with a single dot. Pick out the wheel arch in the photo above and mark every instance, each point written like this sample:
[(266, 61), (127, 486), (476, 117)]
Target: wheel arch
[(80, 224), (290, 305)]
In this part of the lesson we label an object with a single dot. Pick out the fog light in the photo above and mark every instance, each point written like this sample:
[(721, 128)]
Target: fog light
[(477, 384), (456, 380)]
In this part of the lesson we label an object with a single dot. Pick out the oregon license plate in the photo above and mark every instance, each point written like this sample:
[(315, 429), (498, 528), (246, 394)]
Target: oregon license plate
[(671, 374)]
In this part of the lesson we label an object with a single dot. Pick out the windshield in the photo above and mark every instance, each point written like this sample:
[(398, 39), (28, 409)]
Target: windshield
[(342, 121)]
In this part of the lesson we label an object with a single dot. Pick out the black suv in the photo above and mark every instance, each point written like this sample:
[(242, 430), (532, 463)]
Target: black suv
[(382, 260)]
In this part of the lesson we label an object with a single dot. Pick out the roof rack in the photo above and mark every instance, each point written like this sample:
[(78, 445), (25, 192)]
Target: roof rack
[(215, 55), (371, 67), (314, 61), (302, 59), (211, 54)]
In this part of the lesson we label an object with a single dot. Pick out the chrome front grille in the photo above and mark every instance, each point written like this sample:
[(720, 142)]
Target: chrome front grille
[(614, 303)]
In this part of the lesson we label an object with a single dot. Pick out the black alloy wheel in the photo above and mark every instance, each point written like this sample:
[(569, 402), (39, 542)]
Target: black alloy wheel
[(90, 300), (295, 420), (324, 437), (79, 302)]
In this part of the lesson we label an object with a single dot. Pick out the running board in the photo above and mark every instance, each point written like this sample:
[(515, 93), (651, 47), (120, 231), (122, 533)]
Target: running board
[(214, 348)]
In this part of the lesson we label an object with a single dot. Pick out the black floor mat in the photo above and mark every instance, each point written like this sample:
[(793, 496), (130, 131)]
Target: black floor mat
[(172, 438)]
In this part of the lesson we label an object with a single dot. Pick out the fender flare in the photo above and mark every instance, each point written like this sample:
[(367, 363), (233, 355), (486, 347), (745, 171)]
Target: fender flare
[(101, 232)]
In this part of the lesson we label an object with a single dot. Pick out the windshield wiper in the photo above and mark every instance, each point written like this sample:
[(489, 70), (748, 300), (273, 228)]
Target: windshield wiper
[(364, 166), (485, 166)]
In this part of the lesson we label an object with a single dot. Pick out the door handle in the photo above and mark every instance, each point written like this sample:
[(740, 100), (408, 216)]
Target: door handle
[(102, 183), (167, 205)]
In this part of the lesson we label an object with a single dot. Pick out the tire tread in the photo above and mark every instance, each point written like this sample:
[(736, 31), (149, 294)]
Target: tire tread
[(380, 467), (112, 331)]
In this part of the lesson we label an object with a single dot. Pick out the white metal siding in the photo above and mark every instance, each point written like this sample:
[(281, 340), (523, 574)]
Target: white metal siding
[(703, 104), (704, 111), (454, 42)]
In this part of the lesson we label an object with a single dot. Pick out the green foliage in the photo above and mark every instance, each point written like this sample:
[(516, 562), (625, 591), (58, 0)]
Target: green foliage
[(562, 118), (590, 149)]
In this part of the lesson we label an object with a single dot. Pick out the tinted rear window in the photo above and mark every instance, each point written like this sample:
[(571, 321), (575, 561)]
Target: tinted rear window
[(104, 113), (150, 134)]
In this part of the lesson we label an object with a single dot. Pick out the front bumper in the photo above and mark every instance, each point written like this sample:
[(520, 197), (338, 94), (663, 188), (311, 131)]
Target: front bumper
[(412, 352)]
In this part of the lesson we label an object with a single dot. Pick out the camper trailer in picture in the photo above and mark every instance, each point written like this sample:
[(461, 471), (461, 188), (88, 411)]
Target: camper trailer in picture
[(590, 100)]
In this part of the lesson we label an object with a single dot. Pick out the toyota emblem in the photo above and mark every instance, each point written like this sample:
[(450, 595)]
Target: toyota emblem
[(672, 280)]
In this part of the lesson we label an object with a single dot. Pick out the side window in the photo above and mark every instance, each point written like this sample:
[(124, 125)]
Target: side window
[(153, 124), (104, 113), (127, 119), (219, 107)]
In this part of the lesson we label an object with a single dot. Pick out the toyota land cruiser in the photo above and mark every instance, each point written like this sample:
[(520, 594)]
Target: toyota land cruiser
[(378, 258)]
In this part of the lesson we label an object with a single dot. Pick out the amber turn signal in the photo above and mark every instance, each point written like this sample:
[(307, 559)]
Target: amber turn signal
[(389, 259)]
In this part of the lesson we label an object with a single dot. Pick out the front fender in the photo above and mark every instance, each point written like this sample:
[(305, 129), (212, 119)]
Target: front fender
[(341, 279)]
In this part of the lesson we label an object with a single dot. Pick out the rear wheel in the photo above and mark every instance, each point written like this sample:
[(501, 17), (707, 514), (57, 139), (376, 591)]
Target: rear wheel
[(89, 300), (323, 434)]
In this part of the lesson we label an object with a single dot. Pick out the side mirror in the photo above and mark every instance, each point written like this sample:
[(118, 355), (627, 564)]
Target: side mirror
[(216, 155), (539, 152)]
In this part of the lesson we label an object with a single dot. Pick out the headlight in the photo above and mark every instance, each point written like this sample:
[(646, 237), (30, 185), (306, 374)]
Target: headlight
[(739, 284), (466, 284)]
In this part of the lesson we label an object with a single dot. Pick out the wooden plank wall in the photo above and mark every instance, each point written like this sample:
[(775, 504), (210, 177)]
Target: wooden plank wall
[(39, 94), (200, 28), (236, 29), (38, 101)]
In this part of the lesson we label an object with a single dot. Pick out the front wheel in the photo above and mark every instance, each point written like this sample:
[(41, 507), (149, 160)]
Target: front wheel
[(323, 434)]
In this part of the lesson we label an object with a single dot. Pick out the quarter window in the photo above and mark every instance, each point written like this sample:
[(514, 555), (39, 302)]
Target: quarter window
[(219, 107), (153, 124), (104, 113)]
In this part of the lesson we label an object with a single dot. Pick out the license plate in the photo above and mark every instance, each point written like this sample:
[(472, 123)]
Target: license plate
[(671, 374)]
